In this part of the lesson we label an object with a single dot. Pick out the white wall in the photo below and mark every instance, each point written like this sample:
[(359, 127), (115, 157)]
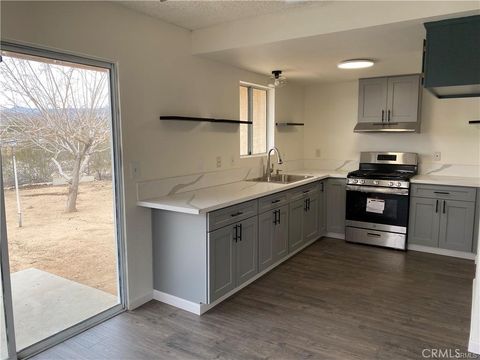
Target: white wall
[(331, 114), (157, 75)]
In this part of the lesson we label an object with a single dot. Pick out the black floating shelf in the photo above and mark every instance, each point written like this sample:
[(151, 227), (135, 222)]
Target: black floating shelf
[(474, 122), (212, 120), (289, 124)]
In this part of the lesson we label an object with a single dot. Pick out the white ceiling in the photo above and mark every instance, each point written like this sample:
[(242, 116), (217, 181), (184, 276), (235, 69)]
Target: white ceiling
[(193, 15), (396, 48)]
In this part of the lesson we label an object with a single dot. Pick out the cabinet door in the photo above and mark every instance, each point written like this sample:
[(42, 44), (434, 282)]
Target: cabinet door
[(424, 221), (372, 99), (295, 224), (310, 223), (322, 213), (221, 245), (266, 234), (456, 225), (403, 98), (336, 198), (280, 238), (246, 251)]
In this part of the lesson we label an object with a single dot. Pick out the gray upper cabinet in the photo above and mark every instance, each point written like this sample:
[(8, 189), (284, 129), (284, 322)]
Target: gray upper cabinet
[(246, 250), (372, 99), (335, 204), (403, 98), (424, 221), (389, 104), (456, 225), (221, 244), (442, 216)]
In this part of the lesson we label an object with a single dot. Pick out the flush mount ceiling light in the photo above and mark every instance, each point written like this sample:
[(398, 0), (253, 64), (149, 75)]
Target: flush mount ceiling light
[(355, 64), (278, 79)]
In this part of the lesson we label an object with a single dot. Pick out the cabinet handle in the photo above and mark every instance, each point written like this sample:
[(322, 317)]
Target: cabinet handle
[(237, 214), (279, 216), (323, 187), (306, 191), (444, 202), (388, 116), (240, 232), (375, 235), (275, 201), (308, 204), (436, 207), (441, 192), (383, 115), (275, 217), (235, 234)]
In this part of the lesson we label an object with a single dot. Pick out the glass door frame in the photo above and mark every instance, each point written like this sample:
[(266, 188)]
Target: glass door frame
[(119, 208)]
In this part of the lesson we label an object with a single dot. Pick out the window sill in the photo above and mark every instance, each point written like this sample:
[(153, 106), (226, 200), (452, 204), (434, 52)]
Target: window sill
[(253, 156)]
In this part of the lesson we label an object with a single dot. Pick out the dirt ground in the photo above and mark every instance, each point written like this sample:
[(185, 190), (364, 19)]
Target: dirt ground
[(78, 246)]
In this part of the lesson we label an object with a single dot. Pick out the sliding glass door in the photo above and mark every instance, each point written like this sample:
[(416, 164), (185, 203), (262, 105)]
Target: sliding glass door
[(60, 150)]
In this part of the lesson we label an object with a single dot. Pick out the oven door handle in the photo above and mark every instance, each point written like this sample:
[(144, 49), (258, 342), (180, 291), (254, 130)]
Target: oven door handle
[(380, 190)]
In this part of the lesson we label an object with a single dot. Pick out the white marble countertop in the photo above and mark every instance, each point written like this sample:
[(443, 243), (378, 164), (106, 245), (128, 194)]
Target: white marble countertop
[(446, 180), (212, 198)]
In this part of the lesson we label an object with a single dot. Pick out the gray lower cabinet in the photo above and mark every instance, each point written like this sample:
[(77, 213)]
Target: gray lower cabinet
[(295, 232), (322, 209), (303, 222), (232, 256), (444, 218), (456, 225), (424, 222), (272, 237), (335, 204)]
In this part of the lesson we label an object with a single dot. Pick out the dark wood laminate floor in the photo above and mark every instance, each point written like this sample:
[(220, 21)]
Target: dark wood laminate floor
[(332, 301)]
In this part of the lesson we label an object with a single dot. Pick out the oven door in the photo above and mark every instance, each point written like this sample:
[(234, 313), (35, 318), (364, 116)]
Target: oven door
[(377, 208)]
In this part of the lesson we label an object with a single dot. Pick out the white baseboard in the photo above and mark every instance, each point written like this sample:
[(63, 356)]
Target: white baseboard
[(198, 308), (445, 252), (474, 347), (333, 235), (180, 303), (139, 301)]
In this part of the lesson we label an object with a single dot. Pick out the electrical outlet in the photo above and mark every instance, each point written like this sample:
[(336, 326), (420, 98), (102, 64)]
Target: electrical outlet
[(437, 156), (317, 153), (219, 161), (134, 169)]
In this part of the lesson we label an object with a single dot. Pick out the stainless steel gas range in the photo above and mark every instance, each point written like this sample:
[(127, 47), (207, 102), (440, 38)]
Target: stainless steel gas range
[(378, 199)]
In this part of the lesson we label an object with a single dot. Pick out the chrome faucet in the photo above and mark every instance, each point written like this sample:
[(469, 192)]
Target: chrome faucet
[(279, 162)]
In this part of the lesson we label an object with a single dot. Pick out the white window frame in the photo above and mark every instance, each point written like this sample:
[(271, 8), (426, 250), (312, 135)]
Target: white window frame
[(270, 121)]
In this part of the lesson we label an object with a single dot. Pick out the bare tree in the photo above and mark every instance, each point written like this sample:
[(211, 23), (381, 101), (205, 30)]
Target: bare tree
[(59, 108)]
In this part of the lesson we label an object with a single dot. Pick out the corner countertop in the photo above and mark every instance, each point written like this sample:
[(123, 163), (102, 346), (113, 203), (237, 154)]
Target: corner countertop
[(213, 198), (446, 180)]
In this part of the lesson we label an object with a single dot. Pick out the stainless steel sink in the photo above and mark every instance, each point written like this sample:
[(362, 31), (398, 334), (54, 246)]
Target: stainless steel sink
[(282, 178)]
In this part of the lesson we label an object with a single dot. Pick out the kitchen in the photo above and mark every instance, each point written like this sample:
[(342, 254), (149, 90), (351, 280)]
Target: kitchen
[(192, 175)]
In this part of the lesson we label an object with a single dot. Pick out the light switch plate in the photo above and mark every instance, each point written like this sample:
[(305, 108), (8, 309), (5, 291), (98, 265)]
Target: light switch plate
[(219, 161), (437, 156), (317, 152)]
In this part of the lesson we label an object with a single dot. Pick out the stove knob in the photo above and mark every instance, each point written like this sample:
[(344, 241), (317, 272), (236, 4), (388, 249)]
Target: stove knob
[(375, 182), (390, 183), (361, 181), (399, 184), (354, 181)]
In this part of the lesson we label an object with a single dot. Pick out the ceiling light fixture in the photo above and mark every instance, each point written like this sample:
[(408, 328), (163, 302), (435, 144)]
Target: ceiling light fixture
[(356, 64), (278, 79)]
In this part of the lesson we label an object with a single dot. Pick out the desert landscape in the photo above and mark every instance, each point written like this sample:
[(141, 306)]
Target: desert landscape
[(79, 246)]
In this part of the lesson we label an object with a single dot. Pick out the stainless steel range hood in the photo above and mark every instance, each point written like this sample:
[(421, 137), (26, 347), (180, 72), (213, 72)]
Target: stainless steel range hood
[(411, 127)]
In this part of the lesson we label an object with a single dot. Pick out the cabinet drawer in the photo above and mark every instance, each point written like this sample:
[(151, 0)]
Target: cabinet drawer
[(223, 217), (273, 201), (302, 191), (444, 192)]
